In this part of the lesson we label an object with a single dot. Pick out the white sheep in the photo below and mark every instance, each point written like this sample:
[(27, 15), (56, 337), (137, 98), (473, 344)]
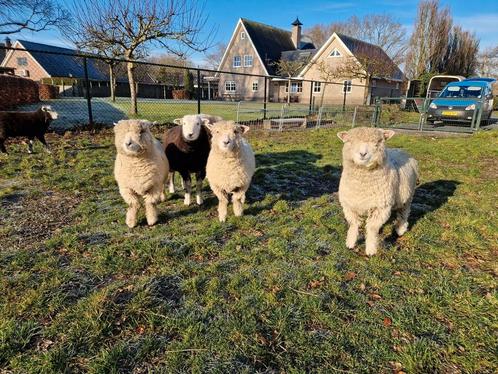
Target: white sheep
[(230, 166), (141, 168), (375, 181)]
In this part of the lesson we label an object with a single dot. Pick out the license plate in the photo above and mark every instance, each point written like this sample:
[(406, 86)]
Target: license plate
[(449, 113)]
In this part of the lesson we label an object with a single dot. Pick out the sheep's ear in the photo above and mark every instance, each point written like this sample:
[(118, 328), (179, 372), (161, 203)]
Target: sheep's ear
[(388, 134), (178, 121), (208, 124), (217, 118), (343, 135), (242, 129)]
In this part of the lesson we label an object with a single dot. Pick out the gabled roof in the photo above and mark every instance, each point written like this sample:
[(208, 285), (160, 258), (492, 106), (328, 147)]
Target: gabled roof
[(359, 48), (58, 65), (271, 41)]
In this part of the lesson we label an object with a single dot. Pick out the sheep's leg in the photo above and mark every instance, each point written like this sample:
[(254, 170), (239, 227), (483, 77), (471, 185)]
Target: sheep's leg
[(171, 182), (222, 203), (2, 146), (199, 178), (401, 225), (238, 199), (151, 199), (375, 221), (131, 199), (30, 145), (354, 227), (41, 138), (188, 189)]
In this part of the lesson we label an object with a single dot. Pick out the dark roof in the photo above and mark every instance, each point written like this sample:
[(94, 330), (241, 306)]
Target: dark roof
[(298, 54), (3, 52), (58, 65), (270, 42), (357, 47), (296, 22)]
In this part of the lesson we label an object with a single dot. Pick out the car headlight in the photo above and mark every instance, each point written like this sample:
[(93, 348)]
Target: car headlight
[(471, 107), (433, 106)]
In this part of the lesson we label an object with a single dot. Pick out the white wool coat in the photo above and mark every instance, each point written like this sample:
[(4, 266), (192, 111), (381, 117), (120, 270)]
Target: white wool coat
[(231, 171), (142, 174), (389, 185)]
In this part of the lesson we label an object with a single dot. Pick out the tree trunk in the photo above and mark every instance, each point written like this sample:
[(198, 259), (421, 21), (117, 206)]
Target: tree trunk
[(368, 90), (112, 82), (131, 79), (323, 94)]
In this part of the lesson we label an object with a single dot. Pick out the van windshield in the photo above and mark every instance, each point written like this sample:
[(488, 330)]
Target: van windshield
[(462, 91)]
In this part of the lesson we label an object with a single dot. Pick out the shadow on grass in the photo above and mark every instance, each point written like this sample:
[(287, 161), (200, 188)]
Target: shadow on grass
[(431, 196), (293, 175)]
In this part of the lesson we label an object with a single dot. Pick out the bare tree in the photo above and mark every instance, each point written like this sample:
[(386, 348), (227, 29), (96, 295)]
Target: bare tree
[(488, 62), (368, 62), (436, 46), (290, 68), (133, 25), (166, 74), (379, 29), (213, 58), (429, 41), (32, 15)]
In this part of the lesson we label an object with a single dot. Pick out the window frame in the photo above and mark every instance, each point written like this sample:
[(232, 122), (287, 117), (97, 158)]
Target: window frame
[(257, 86), (347, 86), (335, 50), (23, 58), (252, 60), (242, 35), (317, 85), (239, 59), (229, 85), (298, 89)]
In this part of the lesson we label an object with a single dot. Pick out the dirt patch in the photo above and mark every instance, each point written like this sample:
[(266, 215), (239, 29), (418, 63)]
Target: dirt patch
[(28, 220)]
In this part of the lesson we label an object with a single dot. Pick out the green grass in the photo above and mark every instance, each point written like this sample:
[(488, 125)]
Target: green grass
[(275, 291)]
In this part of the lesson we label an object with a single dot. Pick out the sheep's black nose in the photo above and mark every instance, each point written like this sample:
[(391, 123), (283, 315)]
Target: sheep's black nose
[(226, 142), (191, 134), (128, 143), (363, 154)]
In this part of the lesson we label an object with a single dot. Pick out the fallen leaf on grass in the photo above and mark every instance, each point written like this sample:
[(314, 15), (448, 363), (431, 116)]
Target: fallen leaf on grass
[(349, 276), (388, 321)]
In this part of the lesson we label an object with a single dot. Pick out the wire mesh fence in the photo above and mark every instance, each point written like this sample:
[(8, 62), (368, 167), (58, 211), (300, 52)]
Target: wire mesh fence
[(88, 90)]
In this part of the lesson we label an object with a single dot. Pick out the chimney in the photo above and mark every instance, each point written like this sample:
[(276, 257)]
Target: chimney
[(8, 43), (296, 33)]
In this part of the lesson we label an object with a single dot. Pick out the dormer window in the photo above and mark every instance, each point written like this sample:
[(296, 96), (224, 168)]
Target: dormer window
[(242, 35), (335, 53)]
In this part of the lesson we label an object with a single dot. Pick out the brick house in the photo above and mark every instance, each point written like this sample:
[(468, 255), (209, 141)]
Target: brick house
[(255, 48)]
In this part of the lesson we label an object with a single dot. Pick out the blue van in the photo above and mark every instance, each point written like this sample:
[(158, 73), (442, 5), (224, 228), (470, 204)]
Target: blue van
[(459, 100)]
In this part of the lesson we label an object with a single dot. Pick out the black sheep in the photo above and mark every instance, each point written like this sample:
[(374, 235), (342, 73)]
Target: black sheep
[(187, 148), (30, 125)]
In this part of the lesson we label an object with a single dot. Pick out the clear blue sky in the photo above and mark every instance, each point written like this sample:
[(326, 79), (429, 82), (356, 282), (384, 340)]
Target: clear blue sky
[(480, 16)]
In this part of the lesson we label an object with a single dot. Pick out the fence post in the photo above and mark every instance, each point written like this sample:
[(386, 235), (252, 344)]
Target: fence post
[(344, 88), (354, 115), (265, 98), (198, 91), (88, 96), (319, 119), (479, 116), (311, 97), (378, 109)]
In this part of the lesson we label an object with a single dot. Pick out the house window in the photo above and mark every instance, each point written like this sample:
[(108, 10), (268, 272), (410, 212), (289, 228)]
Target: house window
[(347, 86), (397, 85), (237, 62), (248, 60), (22, 61), (242, 35), (230, 86), (296, 87), (255, 85), (335, 53), (317, 86)]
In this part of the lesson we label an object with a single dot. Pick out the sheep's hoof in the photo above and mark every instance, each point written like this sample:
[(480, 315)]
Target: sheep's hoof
[(186, 201), (199, 200), (152, 222), (370, 251), (350, 245), (131, 224), (401, 229), (171, 189), (222, 219)]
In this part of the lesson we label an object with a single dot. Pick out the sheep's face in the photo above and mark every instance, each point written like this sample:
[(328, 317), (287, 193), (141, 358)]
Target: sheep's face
[(133, 137), (191, 127), (226, 135), (49, 113), (365, 147)]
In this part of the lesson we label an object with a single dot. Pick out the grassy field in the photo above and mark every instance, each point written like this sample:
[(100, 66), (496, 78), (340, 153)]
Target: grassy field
[(275, 291)]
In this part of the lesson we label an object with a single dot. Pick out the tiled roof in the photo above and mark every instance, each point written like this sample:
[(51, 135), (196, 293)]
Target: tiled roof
[(270, 42), (58, 65), (359, 47)]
